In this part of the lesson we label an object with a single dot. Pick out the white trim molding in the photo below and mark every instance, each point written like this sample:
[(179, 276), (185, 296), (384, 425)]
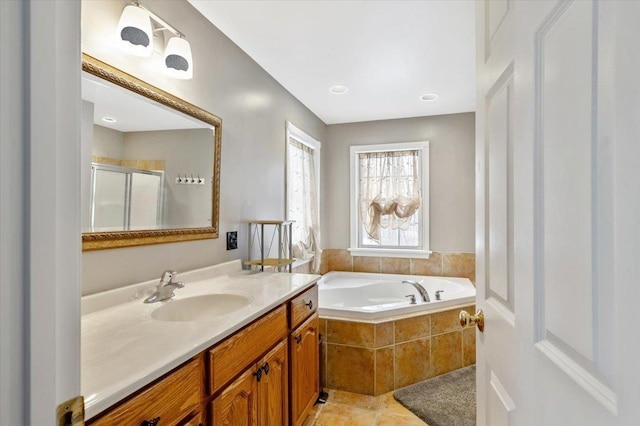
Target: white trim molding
[(355, 248)]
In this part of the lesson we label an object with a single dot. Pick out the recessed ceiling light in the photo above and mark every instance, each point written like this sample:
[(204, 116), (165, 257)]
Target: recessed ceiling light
[(338, 90), (429, 97), (109, 119)]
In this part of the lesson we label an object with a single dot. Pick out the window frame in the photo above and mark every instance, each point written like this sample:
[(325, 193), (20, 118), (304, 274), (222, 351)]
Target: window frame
[(354, 174), (301, 136)]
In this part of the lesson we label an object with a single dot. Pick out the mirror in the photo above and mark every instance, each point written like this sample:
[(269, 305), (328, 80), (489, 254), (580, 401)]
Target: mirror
[(150, 163)]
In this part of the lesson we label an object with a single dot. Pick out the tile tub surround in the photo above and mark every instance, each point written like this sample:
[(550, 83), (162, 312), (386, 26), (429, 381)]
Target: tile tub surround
[(439, 264), (376, 358)]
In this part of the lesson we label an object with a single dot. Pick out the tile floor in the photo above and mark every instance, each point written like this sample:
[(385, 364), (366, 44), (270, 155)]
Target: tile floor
[(352, 409)]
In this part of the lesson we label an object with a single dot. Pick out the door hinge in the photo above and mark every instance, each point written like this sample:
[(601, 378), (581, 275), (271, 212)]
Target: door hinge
[(71, 412)]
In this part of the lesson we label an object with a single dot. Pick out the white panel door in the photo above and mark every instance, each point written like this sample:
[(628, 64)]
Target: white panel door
[(558, 212)]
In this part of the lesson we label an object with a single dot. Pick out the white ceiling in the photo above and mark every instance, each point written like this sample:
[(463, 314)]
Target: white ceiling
[(132, 112), (388, 53)]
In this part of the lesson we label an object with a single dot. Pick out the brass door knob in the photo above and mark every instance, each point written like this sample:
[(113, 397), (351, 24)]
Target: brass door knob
[(467, 319)]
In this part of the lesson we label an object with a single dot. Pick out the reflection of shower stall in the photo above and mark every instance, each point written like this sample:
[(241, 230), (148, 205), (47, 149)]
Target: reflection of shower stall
[(123, 198)]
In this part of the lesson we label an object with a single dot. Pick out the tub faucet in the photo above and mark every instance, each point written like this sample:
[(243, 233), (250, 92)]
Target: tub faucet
[(165, 288), (421, 290)]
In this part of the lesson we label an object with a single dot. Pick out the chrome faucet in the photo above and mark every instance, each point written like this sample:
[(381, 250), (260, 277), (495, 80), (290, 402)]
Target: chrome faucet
[(421, 290), (165, 288)]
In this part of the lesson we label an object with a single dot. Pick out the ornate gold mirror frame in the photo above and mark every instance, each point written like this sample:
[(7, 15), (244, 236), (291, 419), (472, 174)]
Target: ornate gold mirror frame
[(108, 240)]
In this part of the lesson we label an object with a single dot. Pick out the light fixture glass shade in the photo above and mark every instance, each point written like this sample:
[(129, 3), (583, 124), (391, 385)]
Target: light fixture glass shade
[(177, 59), (135, 33)]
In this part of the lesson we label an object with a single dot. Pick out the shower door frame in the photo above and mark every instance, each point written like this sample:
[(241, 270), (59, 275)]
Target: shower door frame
[(128, 171)]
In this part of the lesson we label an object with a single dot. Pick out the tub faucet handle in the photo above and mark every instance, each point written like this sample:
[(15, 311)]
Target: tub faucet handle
[(413, 298), (438, 294)]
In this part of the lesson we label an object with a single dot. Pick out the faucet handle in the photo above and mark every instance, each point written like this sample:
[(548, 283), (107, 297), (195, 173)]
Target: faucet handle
[(168, 276), (413, 298)]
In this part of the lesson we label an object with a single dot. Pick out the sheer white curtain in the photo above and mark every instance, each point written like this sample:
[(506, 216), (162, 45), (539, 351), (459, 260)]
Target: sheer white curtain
[(389, 190), (302, 202)]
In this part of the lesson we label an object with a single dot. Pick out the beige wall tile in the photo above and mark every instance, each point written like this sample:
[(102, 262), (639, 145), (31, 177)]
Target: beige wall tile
[(412, 328), (446, 321), (384, 334), (468, 346), (323, 328), (323, 354), (459, 265), (366, 264), (430, 266), (350, 369), (394, 265), (350, 333), (412, 362), (384, 381), (446, 352), (323, 366), (337, 260)]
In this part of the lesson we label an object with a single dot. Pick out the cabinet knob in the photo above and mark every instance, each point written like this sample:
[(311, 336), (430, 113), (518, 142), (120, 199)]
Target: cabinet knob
[(152, 422), (298, 338), (266, 368), (258, 374), (310, 304)]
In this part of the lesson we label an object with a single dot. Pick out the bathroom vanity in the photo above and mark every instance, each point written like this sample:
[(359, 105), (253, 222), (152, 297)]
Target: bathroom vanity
[(255, 365)]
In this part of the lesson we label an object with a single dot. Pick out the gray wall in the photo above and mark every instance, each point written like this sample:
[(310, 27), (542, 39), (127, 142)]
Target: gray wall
[(451, 178), (253, 107), (107, 142), (184, 205)]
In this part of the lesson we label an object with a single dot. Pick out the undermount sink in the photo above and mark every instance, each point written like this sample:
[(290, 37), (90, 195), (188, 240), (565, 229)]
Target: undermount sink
[(198, 307)]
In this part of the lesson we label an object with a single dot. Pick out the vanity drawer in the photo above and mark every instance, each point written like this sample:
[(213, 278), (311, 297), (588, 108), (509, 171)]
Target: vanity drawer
[(302, 306), (171, 399), (237, 352)]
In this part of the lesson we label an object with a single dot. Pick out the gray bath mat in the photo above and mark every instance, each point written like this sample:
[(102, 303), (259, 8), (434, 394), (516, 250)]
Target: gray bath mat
[(447, 400)]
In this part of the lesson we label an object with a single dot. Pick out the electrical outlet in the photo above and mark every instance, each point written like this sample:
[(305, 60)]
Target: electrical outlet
[(232, 240)]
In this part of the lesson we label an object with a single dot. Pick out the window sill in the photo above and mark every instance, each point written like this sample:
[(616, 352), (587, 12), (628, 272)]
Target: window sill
[(385, 252)]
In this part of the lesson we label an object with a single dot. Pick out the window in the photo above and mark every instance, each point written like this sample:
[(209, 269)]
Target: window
[(303, 194), (390, 200)]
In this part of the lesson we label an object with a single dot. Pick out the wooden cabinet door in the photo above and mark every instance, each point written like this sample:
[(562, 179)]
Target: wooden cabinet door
[(197, 420), (170, 399), (305, 376), (273, 387), (237, 405)]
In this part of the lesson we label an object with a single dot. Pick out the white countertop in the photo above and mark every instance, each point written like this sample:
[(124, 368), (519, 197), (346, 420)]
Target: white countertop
[(124, 349)]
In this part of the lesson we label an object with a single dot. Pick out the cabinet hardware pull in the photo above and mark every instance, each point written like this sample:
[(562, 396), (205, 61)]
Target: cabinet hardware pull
[(298, 338), (152, 422), (265, 368), (310, 304), (258, 374)]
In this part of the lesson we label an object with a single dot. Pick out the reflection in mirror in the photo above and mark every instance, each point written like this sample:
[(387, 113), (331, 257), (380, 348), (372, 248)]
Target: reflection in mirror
[(150, 163)]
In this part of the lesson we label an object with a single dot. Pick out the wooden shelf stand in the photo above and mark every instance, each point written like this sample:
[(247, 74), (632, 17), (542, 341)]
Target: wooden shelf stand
[(267, 236)]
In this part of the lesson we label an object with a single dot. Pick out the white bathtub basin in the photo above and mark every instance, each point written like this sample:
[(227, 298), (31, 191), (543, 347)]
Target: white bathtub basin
[(378, 296)]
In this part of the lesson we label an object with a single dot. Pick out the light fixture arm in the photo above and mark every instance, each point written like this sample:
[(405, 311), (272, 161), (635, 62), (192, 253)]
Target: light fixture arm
[(164, 25)]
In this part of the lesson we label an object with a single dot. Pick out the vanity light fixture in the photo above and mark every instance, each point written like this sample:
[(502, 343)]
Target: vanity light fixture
[(338, 90), (135, 32), (428, 97), (177, 58)]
